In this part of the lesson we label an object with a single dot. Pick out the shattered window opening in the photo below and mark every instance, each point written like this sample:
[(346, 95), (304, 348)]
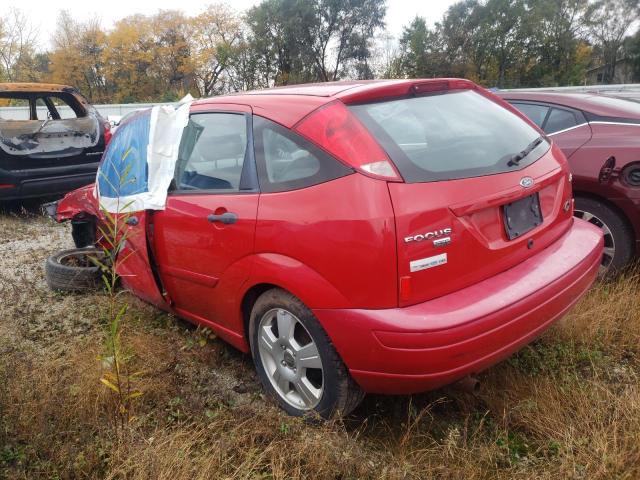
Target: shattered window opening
[(64, 131)]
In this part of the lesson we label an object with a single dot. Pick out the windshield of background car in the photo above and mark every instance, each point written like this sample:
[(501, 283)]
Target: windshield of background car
[(452, 135)]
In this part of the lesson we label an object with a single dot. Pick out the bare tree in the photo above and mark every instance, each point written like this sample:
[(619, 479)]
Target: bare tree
[(17, 44), (386, 56), (609, 22)]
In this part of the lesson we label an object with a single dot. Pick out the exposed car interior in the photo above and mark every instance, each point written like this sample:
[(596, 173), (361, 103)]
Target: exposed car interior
[(49, 128)]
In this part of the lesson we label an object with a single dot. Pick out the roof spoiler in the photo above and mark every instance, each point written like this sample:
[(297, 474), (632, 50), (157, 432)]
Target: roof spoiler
[(404, 89)]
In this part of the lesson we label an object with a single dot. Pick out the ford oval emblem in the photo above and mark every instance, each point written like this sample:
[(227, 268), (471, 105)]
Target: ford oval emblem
[(526, 182)]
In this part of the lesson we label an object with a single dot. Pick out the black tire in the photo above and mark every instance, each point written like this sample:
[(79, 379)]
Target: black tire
[(61, 276), (340, 393), (621, 238)]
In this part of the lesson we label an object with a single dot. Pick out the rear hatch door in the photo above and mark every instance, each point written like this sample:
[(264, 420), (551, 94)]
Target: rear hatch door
[(483, 189)]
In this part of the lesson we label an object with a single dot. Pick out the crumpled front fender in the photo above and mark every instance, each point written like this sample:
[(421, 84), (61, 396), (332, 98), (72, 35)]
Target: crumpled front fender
[(78, 203)]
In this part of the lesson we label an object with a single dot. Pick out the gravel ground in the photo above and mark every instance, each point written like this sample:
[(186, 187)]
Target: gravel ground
[(35, 319)]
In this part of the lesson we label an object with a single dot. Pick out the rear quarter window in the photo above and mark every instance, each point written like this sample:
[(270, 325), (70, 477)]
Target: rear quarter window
[(447, 136), (67, 106), (286, 161), (559, 119), (535, 113)]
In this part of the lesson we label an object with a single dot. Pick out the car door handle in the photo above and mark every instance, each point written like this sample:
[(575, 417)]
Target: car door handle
[(227, 218)]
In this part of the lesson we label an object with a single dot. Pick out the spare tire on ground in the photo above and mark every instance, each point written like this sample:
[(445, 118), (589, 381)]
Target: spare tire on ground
[(75, 270)]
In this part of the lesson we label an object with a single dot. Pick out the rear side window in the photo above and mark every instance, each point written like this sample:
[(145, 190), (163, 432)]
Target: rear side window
[(447, 136), (42, 110), (21, 109), (287, 161), (66, 105), (559, 120), (63, 108), (535, 113), (212, 152)]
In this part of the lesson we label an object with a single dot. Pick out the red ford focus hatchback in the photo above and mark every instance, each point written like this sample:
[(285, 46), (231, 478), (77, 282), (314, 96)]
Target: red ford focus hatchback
[(388, 236)]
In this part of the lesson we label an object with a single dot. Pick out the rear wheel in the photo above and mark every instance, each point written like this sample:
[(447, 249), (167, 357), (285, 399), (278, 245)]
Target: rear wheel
[(618, 236), (295, 360)]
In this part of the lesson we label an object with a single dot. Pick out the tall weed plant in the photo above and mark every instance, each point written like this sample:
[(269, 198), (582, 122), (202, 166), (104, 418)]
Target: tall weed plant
[(116, 357)]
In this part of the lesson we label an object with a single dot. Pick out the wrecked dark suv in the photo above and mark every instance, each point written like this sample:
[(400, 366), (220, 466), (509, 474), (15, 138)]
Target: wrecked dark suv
[(51, 145)]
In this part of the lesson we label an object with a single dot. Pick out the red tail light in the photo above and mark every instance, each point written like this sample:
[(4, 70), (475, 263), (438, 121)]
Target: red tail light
[(107, 133), (338, 131)]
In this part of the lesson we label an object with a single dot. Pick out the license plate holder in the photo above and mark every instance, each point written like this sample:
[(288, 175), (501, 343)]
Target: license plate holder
[(522, 216)]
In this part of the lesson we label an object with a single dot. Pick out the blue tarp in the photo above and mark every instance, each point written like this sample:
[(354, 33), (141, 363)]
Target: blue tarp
[(124, 169), (139, 163)]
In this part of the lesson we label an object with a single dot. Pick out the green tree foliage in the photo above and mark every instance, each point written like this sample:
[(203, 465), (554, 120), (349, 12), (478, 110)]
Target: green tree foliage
[(420, 51), (507, 32), (632, 45), (560, 47), (313, 40), (513, 43), (485, 41)]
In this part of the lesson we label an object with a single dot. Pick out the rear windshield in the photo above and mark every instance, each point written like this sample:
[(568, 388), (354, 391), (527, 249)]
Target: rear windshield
[(448, 136)]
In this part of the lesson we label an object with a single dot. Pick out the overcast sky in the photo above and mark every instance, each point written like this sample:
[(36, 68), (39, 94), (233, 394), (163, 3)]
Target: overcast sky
[(44, 13)]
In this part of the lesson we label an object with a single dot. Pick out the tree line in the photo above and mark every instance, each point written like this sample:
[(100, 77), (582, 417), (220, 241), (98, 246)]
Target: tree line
[(160, 57)]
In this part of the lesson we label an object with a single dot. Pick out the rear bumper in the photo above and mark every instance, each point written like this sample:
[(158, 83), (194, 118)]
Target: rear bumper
[(428, 345), (45, 182)]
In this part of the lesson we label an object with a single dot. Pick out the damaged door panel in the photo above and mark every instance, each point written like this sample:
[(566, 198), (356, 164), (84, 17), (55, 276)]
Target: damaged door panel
[(56, 149), (135, 268)]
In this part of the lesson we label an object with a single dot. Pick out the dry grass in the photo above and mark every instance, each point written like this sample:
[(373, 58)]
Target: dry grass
[(566, 407)]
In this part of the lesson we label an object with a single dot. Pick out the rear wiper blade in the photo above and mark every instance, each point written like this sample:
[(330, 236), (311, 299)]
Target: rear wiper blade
[(515, 159)]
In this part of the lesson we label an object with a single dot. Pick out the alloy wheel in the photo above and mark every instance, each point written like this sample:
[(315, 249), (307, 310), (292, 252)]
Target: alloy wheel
[(609, 242), (291, 359)]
